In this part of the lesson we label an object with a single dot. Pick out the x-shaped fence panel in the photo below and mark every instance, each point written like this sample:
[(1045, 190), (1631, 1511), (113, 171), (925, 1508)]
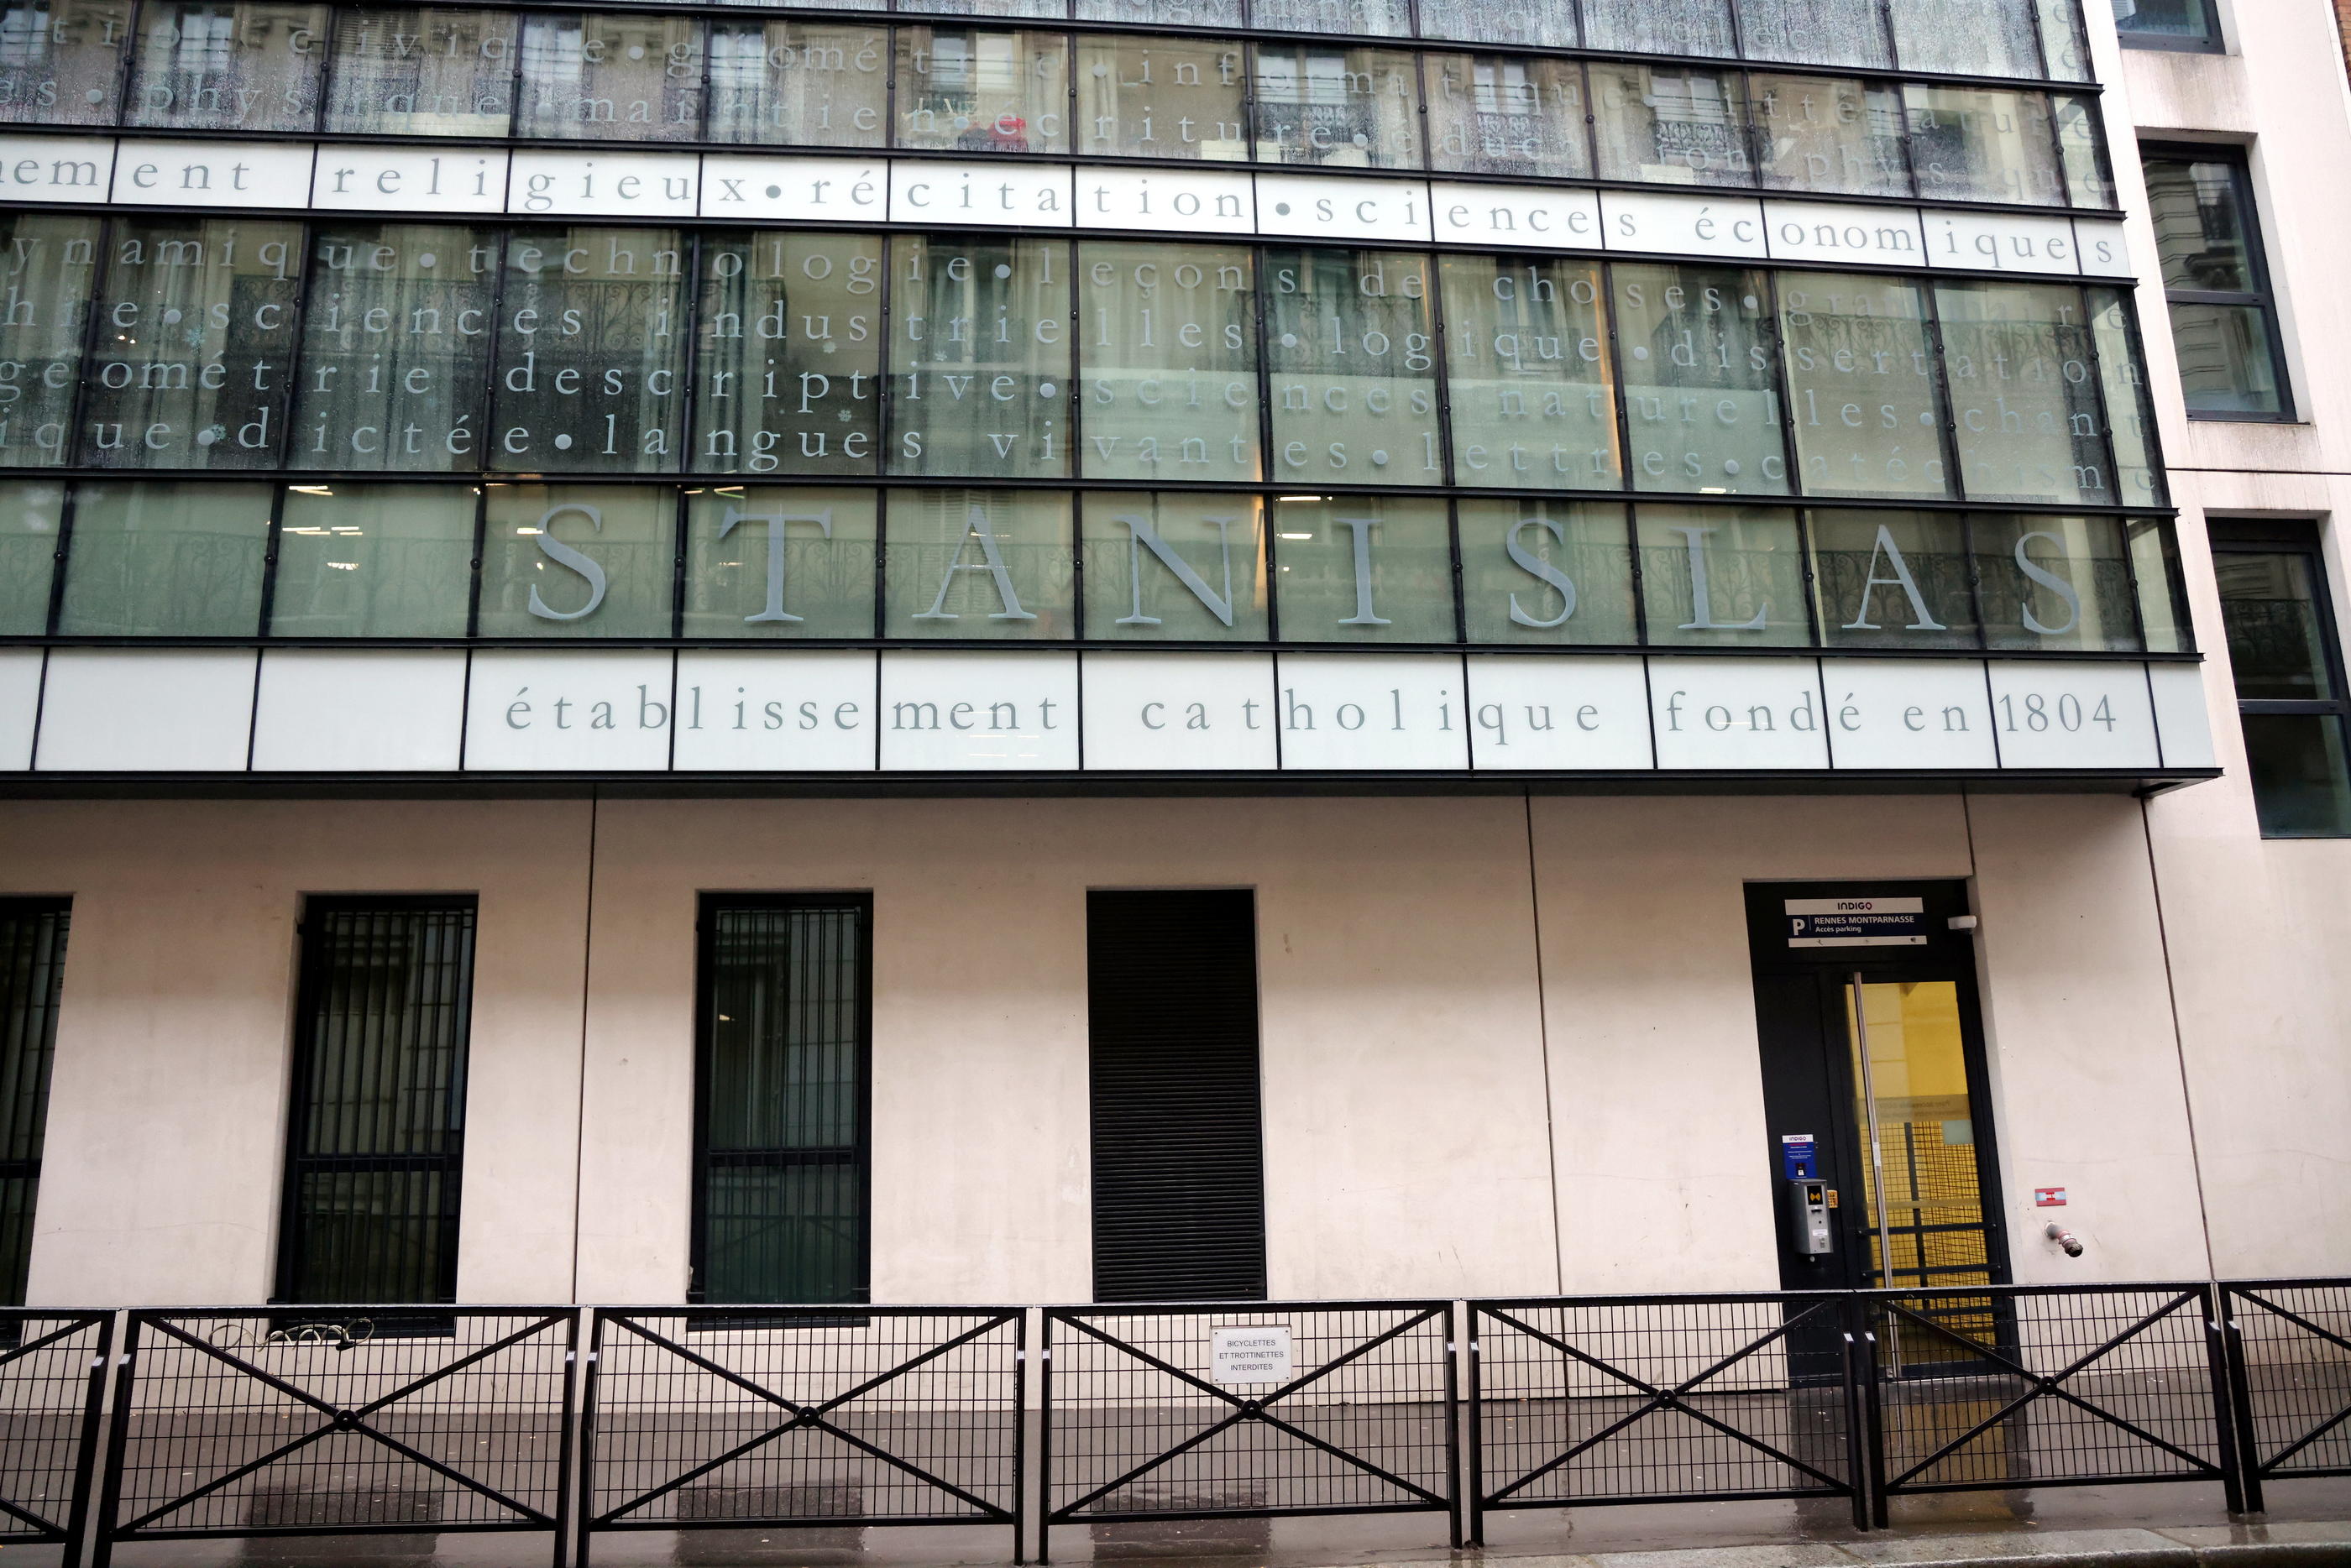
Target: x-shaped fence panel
[(1983, 1388), (2290, 1360), (1252, 1410), (812, 1418), (51, 1364), (326, 1421), (1619, 1399)]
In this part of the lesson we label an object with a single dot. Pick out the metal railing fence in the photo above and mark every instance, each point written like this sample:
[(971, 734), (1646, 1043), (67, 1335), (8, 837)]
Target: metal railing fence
[(420, 1421)]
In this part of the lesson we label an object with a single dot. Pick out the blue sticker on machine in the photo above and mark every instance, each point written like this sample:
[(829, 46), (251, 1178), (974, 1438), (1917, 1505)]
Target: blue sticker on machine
[(1856, 922), (1796, 1159)]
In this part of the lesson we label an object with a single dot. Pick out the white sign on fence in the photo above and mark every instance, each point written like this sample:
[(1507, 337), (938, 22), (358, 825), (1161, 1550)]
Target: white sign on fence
[(1256, 1355)]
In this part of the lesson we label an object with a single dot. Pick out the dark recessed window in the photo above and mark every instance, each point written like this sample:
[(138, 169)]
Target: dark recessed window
[(2289, 673), (2224, 317)]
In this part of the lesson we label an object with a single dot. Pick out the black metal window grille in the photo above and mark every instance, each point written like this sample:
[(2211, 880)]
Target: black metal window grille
[(2294, 703), (2290, 1373), (32, 972), (782, 1154), (1178, 1172), (377, 1136)]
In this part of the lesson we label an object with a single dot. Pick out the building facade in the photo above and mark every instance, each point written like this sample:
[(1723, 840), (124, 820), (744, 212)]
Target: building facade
[(1127, 649)]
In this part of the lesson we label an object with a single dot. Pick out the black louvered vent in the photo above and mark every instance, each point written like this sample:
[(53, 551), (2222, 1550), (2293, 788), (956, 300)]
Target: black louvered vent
[(1179, 1188)]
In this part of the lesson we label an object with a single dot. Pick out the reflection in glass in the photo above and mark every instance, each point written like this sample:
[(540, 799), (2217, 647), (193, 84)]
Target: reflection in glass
[(2180, 21), (1661, 26), (396, 345), (980, 357), (1334, 107), (968, 564), (2225, 363), (1982, 144), (2024, 395), (1363, 568), (1702, 403), (428, 71), (592, 351), (801, 84), (1829, 133), (971, 89), (2065, 46), (1861, 384), (2055, 584), (1363, 18), (1013, 10), (578, 560), (1551, 22), (1965, 37), (1162, 13), (1353, 367), (1556, 573), (1532, 400), (2083, 151), (193, 371), (1723, 576), (1817, 32), (1670, 125), (2277, 628), (30, 510), (631, 76), (1162, 98), (777, 562), (2130, 409), (1167, 567), (2155, 570), (1508, 114), (373, 560), (156, 559), (2301, 786), (1912, 1102), (1167, 362), (788, 376), (61, 60), (1893, 579), (44, 315), (211, 65)]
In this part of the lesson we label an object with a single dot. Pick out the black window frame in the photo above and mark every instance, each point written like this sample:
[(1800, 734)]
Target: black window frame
[(310, 976), (2215, 41), (2295, 536), (30, 1098), (2238, 159), (708, 906)]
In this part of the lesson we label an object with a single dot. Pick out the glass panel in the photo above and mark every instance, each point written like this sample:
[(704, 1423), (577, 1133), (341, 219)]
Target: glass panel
[(1829, 133), (1546, 22), (1984, 144), (577, 560), (1966, 37), (1162, 98), (2189, 20), (626, 77), (802, 84), (1730, 576), (422, 72), (29, 513), (1701, 387), (780, 563), (789, 373), (2130, 410), (2301, 787), (1532, 396), (2155, 570), (205, 65), (1352, 19), (32, 974), (1353, 367), (52, 276), (1508, 114), (1342, 108), (969, 91), (1893, 579), (2024, 395), (2225, 364), (1553, 573), (592, 351), (1005, 8), (373, 560), (1929, 1205), (395, 347), (2200, 226), (1667, 126), (2055, 584), (196, 343), (1162, 13), (1168, 362), (2277, 637), (1815, 32), (1167, 567), (980, 363), (166, 560), (61, 60), (1661, 26), (2088, 182), (981, 564), (1363, 568), (1861, 382)]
